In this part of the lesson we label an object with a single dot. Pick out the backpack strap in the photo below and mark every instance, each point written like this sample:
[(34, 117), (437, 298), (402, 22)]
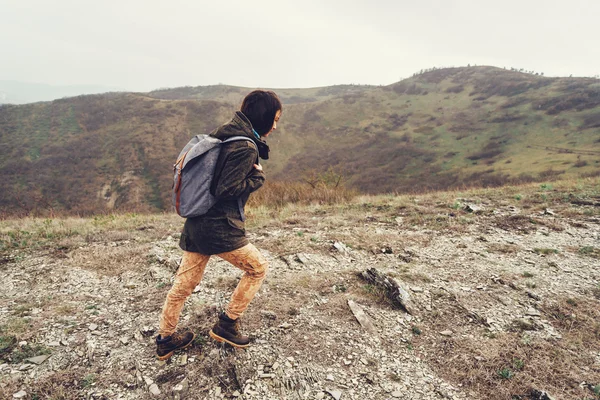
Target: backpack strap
[(235, 139)]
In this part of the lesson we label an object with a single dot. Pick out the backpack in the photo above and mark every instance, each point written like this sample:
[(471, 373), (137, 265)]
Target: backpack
[(193, 174)]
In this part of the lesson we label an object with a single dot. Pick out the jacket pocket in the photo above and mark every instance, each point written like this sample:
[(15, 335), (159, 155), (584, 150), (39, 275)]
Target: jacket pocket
[(237, 224)]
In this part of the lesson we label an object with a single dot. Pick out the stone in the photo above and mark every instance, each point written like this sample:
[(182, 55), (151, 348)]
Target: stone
[(236, 394), (361, 317), (124, 340), (154, 390), (285, 325), (416, 289), (92, 327), (146, 331), (341, 247), (20, 395), (336, 394), (182, 388), (446, 333), (183, 359), (38, 360), (472, 208), (54, 344), (320, 395), (148, 380), (532, 312), (396, 394), (330, 377)]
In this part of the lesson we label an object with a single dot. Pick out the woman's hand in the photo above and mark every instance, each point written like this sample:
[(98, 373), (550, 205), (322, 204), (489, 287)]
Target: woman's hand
[(258, 167)]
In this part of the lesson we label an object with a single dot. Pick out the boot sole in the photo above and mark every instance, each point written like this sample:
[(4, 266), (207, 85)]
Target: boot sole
[(170, 354), (223, 340)]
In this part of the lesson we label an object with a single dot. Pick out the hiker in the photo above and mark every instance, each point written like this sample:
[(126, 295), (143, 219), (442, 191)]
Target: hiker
[(221, 230)]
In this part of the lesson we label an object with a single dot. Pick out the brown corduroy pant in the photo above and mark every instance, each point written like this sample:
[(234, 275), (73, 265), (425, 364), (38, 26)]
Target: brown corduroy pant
[(190, 273)]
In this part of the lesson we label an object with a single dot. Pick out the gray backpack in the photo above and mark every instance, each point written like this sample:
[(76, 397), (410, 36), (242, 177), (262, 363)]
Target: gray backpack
[(193, 174)]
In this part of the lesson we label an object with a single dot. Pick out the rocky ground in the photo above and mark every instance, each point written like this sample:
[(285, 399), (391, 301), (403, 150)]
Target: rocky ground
[(504, 291)]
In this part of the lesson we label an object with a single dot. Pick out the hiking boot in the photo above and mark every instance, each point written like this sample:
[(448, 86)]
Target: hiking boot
[(226, 330), (165, 347)]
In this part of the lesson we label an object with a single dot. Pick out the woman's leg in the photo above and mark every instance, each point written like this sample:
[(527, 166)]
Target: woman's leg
[(255, 267), (188, 276)]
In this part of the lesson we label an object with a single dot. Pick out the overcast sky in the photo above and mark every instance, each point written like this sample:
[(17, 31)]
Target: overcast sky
[(141, 45)]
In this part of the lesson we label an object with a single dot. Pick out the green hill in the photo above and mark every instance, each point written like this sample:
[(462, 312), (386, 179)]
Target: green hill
[(439, 129)]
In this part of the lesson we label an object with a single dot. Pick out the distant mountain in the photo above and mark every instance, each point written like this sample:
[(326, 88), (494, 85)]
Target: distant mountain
[(444, 128), (13, 92)]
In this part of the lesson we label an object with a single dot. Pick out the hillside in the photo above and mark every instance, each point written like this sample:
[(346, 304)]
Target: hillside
[(504, 287), (472, 126)]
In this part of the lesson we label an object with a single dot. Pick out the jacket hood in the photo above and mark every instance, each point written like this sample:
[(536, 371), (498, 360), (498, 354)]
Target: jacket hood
[(241, 126)]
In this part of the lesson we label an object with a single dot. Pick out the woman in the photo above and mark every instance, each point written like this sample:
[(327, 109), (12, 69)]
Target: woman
[(221, 231)]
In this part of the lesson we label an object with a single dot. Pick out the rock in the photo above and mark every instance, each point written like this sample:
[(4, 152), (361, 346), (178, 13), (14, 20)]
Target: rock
[(182, 388), (25, 367), (548, 211), (148, 380), (533, 296), (154, 390), (336, 394), (330, 377), (124, 340), (20, 395), (38, 360), (397, 394), (54, 344), (285, 325), (320, 395), (393, 290), (146, 331), (540, 395), (302, 258), (183, 359), (472, 208), (362, 318), (446, 333), (532, 312), (92, 327), (236, 394), (416, 289), (218, 391), (341, 247), (268, 314)]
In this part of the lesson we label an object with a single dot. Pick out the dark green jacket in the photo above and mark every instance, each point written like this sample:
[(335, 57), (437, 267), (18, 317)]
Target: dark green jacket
[(222, 229)]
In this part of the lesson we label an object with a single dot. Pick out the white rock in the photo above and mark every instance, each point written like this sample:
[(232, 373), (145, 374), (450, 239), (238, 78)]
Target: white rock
[(20, 395), (154, 389), (397, 394), (92, 327), (446, 333), (336, 394), (330, 377)]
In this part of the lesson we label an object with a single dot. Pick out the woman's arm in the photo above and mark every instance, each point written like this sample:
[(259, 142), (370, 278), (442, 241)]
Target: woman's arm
[(238, 175)]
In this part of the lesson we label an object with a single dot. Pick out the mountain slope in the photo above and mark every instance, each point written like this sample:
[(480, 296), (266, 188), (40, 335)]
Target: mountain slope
[(443, 128)]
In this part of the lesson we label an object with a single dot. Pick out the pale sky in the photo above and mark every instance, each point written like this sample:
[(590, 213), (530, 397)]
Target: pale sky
[(140, 45)]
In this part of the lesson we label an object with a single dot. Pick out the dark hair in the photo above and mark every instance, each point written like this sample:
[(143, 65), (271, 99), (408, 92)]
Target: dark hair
[(261, 106)]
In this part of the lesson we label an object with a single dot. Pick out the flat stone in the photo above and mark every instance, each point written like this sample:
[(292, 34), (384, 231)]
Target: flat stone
[(320, 395), (446, 333), (154, 389), (336, 394), (532, 312), (416, 289), (397, 394), (285, 325), (124, 340), (330, 377), (20, 395), (183, 359), (38, 360), (148, 380), (54, 344), (92, 327)]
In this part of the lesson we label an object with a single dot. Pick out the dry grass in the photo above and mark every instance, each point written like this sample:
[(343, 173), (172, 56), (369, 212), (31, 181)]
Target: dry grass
[(509, 364)]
